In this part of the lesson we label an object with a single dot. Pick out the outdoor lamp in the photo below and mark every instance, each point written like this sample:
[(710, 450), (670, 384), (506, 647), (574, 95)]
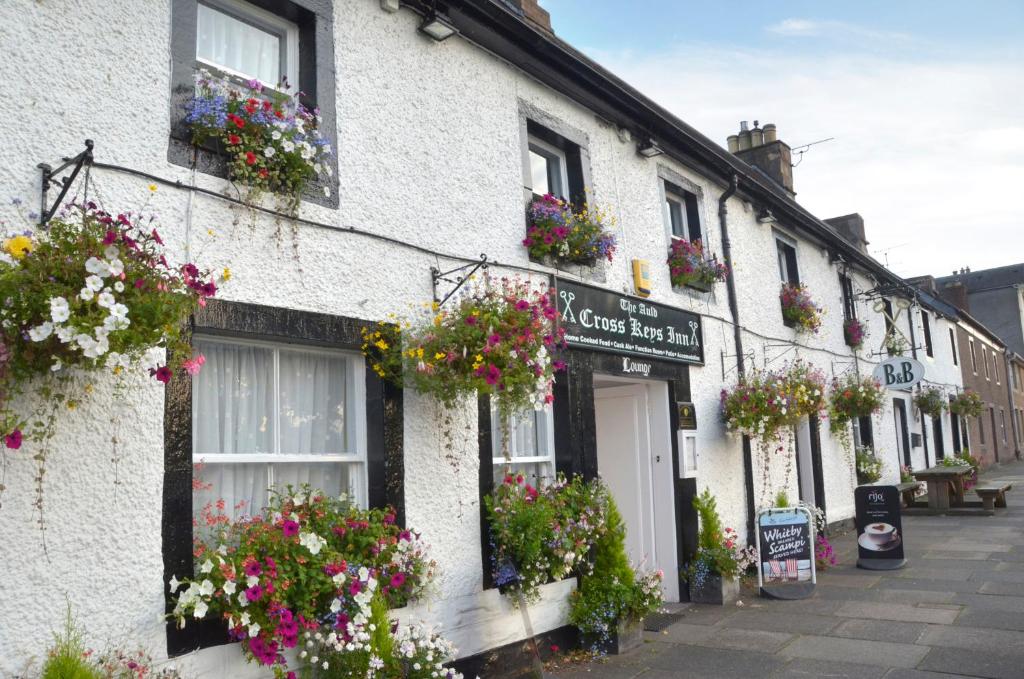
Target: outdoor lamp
[(765, 216), (648, 149), (437, 25)]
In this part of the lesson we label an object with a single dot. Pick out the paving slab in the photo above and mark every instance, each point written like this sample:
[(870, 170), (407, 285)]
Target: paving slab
[(682, 632), (964, 555), (899, 612), (880, 630), (1014, 604), (772, 621), (1012, 573), (848, 580), (924, 584), (935, 570), (861, 651), (974, 638), (985, 617), (900, 673), (812, 668), (604, 669), (1015, 589), (697, 662), (974, 663)]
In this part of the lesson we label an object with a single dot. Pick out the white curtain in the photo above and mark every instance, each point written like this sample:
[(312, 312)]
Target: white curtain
[(233, 412), (226, 41)]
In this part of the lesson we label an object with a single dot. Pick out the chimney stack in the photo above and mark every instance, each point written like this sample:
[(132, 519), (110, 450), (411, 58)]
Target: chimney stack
[(955, 293), (851, 228), (532, 12), (761, 148)]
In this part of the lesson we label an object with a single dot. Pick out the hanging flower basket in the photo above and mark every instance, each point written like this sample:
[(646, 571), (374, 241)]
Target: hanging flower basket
[(799, 310), (852, 397), (896, 344), (967, 403), (270, 139), (688, 266), (766, 402), (496, 339), (558, 234), (854, 332), (931, 401)]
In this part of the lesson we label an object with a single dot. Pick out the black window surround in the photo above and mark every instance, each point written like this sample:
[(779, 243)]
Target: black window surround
[(927, 326), (315, 21), (536, 123), (384, 436), (952, 345), (789, 271), (849, 301)]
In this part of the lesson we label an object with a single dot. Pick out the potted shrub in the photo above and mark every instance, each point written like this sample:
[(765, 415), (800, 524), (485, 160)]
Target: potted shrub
[(713, 574), (688, 266), (869, 467), (854, 332), (558, 234), (967, 403), (931, 401), (799, 310), (611, 602)]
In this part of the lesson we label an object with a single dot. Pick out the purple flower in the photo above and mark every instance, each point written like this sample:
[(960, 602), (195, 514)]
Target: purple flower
[(290, 528)]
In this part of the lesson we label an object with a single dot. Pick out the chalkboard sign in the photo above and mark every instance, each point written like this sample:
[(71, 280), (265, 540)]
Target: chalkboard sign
[(879, 528), (603, 320), (785, 545)]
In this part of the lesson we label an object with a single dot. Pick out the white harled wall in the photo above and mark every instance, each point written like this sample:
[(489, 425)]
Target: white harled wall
[(429, 152)]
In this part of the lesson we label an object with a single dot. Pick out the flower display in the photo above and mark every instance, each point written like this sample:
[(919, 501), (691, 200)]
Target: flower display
[(895, 343), (906, 474), (855, 332), (824, 554), (765, 402), (306, 569), (967, 403), (851, 397), (542, 535), (869, 467), (964, 459), (688, 265), (91, 291), (271, 140), (799, 310), (496, 338), (556, 231), (718, 548), (931, 401)]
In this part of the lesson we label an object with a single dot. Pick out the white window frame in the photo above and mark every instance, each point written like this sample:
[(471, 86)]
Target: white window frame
[(675, 197), (550, 152), (266, 21), (545, 442), (355, 403), (974, 355), (783, 264)]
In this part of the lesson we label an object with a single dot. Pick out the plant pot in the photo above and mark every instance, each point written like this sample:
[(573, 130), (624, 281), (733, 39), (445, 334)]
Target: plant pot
[(627, 635), (715, 590)]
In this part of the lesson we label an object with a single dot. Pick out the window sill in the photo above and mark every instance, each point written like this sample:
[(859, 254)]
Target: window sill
[(595, 272)]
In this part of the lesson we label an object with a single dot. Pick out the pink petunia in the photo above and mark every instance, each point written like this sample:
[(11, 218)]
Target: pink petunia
[(13, 440)]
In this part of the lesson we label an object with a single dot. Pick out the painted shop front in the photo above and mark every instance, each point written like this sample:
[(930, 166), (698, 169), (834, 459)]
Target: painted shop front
[(618, 415)]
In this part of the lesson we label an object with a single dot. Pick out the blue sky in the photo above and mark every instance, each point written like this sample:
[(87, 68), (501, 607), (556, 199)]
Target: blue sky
[(925, 100)]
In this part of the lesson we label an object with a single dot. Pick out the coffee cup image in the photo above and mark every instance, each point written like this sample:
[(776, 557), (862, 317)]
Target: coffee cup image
[(880, 533)]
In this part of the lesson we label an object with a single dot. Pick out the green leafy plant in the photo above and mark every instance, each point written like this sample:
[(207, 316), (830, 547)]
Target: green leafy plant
[(718, 550), (782, 499), (613, 592), (906, 474), (869, 467), (967, 403), (931, 401)]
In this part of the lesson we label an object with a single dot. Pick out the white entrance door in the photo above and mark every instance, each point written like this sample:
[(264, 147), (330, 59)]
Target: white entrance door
[(634, 457), (805, 468)]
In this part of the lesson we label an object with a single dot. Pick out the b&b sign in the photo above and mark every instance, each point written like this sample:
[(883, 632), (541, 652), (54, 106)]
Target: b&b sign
[(899, 372)]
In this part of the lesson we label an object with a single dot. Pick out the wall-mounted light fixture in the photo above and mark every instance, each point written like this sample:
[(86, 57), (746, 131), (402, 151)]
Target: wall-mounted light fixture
[(765, 216), (436, 25), (648, 149)]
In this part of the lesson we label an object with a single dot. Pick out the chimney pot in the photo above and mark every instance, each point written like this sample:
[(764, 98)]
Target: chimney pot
[(743, 126), (734, 143), (770, 133), (744, 139), (756, 136)]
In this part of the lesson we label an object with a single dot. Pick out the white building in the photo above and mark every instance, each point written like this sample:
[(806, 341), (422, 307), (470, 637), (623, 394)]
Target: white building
[(436, 146)]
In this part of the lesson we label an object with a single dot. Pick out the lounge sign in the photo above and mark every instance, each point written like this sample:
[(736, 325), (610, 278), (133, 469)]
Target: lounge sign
[(899, 373), (606, 321)]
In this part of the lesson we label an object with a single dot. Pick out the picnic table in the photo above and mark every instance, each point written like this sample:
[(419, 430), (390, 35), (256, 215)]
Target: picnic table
[(941, 480)]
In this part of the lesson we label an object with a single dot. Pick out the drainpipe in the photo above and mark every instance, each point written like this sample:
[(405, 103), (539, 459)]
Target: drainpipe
[(913, 351), (734, 309), (1008, 364)]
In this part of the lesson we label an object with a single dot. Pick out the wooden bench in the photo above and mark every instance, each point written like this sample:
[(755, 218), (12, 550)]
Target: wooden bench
[(908, 491), (993, 494)]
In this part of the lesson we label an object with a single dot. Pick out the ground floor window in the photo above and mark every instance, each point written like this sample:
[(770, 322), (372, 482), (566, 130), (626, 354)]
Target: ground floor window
[(531, 446)]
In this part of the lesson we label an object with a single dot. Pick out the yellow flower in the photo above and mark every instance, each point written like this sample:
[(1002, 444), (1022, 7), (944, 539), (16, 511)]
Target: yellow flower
[(19, 246), (382, 345), (88, 388), (209, 232), (419, 352), (477, 365), (227, 274), (479, 358), (72, 405), (439, 355), (411, 353), (152, 188)]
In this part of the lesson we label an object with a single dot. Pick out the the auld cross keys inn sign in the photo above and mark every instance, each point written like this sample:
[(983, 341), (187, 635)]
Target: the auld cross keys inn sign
[(602, 320)]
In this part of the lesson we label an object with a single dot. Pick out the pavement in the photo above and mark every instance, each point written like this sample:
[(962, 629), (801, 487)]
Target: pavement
[(955, 610)]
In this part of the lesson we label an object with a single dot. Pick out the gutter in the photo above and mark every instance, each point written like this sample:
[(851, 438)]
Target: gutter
[(734, 309)]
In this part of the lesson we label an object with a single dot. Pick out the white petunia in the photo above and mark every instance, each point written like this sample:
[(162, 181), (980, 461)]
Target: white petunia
[(59, 310), (275, 135), (245, 619), (41, 331), (200, 610), (65, 334), (363, 573), (106, 299), (206, 587), (313, 542), (254, 629), (230, 587), (174, 583), (97, 266), (111, 252), (119, 286), (242, 600), (288, 145), (207, 566), (94, 283), (252, 581), (86, 294), (269, 151), (116, 267), (153, 358)]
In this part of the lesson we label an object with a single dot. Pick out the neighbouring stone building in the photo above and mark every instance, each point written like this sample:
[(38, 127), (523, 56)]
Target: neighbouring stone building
[(443, 131)]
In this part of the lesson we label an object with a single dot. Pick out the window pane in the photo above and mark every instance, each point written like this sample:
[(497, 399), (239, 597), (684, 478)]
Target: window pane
[(312, 401), (233, 400), (676, 217), (539, 174), (242, 47)]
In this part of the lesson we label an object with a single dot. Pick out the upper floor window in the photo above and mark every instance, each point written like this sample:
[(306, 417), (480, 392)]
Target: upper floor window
[(682, 213), (786, 251), (849, 304), (952, 345), (984, 360), (548, 169), (974, 357), (531, 446), (887, 310), (242, 40), (267, 414), (926, 324)]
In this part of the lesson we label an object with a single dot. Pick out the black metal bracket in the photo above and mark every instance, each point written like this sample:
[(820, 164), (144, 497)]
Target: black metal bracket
[(81, 160), (747, 356), (436, 275), (785, 346)]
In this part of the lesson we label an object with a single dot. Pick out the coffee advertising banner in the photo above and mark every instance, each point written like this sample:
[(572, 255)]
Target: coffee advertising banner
[(879, 528), (785, 545), (603, 320)]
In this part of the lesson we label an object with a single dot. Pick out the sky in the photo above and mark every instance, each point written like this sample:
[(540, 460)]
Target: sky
[(924, 102)]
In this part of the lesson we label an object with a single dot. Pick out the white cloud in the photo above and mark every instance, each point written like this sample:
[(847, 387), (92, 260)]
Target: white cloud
[(928, 151), (834, 30)]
